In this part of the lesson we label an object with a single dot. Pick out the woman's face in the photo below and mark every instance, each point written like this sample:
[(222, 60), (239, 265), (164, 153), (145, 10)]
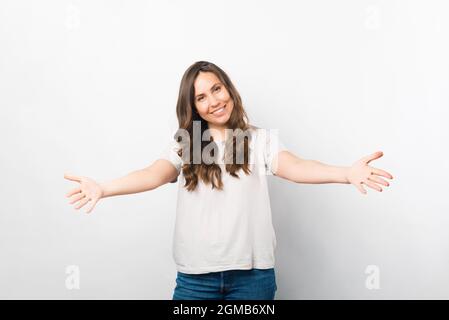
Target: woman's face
[(212, 100)]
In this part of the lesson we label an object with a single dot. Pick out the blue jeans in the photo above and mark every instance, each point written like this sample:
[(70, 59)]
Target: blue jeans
[(254, 284)]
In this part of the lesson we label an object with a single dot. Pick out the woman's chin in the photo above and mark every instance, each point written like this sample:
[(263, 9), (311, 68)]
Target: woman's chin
[(219, 122)]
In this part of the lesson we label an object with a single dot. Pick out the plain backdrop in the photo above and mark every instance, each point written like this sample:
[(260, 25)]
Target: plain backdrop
[(90, 88)]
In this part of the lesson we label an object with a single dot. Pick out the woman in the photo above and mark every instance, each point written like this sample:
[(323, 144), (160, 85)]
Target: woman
[(224, 239)]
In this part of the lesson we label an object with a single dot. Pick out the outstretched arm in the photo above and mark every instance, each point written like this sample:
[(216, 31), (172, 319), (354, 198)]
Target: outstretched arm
[(293, 168), (146, 179), (89, 191)]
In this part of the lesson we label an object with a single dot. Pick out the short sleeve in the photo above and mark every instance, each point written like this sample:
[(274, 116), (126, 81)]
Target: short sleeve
[(272, 146), (170, 153)]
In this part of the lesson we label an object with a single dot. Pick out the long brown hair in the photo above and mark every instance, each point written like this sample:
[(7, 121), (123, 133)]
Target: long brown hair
[(187, 113)]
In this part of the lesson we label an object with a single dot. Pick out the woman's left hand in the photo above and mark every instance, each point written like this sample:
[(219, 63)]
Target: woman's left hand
[(360, 173)]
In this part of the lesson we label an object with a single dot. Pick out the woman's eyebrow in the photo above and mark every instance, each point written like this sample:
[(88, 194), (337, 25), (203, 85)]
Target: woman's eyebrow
[(211, 88), (217, 84)]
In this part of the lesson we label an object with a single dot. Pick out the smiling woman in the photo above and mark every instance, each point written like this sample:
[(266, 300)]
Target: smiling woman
[(224, 239), (207, 96)]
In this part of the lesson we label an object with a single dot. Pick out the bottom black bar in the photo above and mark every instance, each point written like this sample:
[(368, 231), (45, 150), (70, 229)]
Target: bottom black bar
[(277, 309)]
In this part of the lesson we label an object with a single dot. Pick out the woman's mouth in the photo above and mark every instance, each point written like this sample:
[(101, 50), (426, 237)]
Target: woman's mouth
[(219, 112)]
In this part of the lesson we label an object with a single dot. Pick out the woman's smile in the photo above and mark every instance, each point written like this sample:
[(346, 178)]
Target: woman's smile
[(219, 112)]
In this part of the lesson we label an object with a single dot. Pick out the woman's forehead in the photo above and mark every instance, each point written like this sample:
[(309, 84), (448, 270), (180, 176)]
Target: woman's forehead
[(204, 81)]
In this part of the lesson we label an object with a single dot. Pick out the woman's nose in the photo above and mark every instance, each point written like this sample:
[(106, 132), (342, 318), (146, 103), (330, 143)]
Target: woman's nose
[(213, 102)]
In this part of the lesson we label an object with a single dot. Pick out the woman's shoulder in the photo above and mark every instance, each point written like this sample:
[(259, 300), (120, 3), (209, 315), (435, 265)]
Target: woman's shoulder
[(257, 134), (264, 136), (257, 131), (254, 129)]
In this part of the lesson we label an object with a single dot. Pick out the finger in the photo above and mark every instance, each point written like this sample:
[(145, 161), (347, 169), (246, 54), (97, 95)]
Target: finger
[(372, 185), (374, 156), (91, 206), (82, 203), (72, 177), (382, 173), (76, 197), (361, 189), (378, 180), (76, 201), (73, 191)]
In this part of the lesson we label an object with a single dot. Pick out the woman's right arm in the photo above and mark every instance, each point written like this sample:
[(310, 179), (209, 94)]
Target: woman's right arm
[(149, 178)]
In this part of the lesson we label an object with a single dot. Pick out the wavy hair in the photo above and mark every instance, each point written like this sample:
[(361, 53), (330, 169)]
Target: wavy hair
[(186, 112)]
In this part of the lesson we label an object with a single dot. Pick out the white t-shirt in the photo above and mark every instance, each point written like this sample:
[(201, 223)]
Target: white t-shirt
[(219, 230)]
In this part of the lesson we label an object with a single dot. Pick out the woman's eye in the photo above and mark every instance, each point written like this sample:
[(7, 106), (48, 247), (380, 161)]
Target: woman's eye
[(200, 98), (217, 88)]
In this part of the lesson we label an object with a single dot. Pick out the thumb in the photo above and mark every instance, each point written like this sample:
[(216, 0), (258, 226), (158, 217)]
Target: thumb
[(72, 177), (371, 157)]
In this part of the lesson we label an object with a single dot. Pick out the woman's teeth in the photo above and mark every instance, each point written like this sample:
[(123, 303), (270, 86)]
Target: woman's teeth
[(219, 110)]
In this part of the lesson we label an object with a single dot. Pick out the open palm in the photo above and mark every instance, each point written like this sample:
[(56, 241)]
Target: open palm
[(361, 173), (88, 191)]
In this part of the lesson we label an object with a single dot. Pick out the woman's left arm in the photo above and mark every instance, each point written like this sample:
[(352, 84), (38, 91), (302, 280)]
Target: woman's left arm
[(293, 168)]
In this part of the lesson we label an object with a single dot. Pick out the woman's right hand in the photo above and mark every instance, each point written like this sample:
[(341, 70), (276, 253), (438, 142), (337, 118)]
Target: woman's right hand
[(88, 191)]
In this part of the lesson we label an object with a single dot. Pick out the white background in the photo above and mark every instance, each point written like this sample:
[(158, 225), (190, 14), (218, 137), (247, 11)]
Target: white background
[(90, 88)]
